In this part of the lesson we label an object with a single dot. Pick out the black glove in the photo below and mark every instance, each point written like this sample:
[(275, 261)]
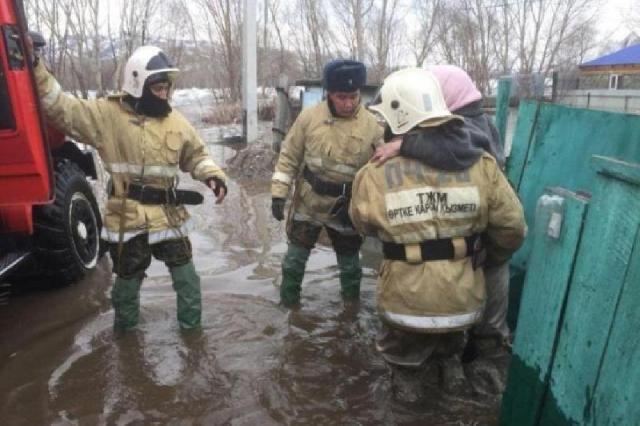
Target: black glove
[(219, 184), (277, 208)]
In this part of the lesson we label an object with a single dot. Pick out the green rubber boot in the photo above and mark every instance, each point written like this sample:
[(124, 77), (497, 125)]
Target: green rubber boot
[(292, 274), (350, 275), (186, 284), (125, 297)]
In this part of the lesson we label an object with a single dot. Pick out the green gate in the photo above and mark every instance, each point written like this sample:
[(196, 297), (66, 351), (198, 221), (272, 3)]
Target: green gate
[(552, 147), (576, 354)]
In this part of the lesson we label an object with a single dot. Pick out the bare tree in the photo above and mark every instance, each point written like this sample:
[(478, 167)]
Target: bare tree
[(73, 33), (502, 39), (174, 29), (83, 20), (279, 59), (223, 24), (48, 17), (130, 32), (543, 27), (311, 35), (465, 32), (384, 36), (351, 16), (274, 10), (427, 12), (485, 37)]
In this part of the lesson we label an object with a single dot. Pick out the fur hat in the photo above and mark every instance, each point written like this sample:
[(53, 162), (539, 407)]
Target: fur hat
[(344, 75)]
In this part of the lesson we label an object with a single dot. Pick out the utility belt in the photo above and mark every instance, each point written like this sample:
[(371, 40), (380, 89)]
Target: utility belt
[(441, 249), (322, 187), (145, 194)]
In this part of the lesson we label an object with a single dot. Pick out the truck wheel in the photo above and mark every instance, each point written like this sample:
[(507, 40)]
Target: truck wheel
[(67, 232)]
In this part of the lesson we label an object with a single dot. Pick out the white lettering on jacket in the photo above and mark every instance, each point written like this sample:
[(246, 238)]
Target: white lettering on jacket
[(429, 203)]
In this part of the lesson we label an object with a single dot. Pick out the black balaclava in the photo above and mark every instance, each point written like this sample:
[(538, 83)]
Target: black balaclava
[(388, 134), (149, 104)]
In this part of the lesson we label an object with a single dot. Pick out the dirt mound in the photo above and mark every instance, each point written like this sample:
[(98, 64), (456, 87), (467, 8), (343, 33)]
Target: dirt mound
[(256, 161)]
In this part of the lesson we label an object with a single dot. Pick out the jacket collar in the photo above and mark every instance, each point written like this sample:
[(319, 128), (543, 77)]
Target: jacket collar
[(331, 116), (470, 110)]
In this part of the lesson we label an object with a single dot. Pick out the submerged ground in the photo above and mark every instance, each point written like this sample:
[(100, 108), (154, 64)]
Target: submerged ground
[(254, 363)]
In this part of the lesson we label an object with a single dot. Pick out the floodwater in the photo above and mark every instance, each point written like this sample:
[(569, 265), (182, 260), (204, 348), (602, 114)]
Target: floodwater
[(253, 363)]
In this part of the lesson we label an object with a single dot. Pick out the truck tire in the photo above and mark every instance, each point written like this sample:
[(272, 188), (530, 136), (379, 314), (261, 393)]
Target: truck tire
[(66, 240)]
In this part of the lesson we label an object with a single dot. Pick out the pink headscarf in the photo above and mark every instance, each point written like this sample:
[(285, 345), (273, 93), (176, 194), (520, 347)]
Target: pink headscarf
[(457, 87)]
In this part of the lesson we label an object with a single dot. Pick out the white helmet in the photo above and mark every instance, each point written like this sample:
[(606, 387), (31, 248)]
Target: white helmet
[(143, 63), (411, 97)]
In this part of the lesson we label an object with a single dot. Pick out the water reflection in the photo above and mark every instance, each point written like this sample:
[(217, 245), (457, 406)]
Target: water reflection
[(254, 362)]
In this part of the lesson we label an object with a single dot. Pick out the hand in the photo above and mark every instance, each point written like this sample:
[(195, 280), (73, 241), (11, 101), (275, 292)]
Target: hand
[(277, 208), (219, 188), (387, 151)]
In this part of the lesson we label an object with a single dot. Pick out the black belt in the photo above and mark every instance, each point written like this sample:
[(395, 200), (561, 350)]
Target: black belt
[(322, 187), (441, 249), (145, 194)]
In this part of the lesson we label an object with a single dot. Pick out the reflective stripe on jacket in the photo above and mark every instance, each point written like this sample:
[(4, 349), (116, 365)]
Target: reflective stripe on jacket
[(333, 148), (133, 148), (407, 202)]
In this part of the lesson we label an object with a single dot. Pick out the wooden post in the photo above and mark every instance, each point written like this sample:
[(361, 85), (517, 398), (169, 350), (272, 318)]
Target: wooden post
[(502, 106), (283, 113), (249, 84)]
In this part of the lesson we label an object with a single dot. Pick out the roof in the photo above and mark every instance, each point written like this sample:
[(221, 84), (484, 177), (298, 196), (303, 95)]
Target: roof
[(627, 56)]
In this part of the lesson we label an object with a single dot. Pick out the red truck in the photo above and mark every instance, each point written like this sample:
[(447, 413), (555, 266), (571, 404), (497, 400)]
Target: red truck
[(49, 219)]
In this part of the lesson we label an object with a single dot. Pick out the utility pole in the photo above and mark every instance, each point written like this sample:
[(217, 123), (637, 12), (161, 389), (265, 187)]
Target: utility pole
[(249, 69)]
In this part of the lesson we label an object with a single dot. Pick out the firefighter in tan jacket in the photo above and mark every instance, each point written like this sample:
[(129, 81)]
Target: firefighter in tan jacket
[(433, 217), (143, 144), (325, 147)]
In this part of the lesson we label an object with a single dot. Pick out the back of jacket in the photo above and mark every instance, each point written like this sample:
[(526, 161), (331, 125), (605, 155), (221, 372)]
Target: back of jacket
[(407, 202)]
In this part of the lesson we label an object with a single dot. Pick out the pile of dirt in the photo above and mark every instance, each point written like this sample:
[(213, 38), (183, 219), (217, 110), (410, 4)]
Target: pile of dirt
[(256, 161)]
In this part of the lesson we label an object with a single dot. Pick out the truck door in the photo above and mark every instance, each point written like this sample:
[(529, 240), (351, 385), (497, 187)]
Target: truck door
[(25, 173), (25, 164)]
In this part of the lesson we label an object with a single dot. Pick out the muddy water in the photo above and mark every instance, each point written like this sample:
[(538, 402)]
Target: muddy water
[(253, 363)]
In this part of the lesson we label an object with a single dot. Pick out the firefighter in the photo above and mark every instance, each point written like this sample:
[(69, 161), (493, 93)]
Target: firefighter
[(143, 143), (323, 150), (463, 98), (429, 216)]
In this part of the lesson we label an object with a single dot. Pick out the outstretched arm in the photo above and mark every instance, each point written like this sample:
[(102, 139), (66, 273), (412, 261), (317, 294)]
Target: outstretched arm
[(81, 119)]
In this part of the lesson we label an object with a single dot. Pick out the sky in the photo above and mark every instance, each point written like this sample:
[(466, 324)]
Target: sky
[(610, 20)]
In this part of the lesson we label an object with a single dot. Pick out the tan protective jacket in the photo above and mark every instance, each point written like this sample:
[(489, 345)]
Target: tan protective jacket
[(333, 148), (407, 202), (134, 149)]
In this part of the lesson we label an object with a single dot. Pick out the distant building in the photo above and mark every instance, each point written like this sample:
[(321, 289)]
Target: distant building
[(619, 70)]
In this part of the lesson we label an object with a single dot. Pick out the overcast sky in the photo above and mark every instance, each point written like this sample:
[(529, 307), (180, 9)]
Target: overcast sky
[(609, 21), (611, 17)]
